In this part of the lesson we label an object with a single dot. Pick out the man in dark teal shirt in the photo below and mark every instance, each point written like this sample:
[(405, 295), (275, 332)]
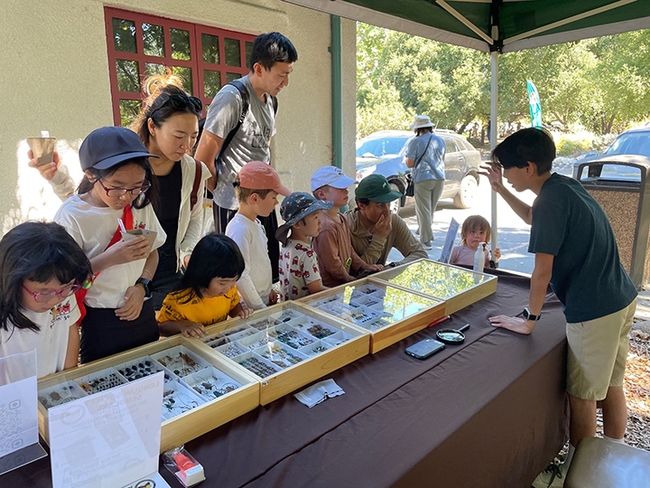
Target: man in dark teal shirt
[(575, 250)]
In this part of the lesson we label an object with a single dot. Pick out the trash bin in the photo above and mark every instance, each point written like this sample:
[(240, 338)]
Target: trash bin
[(619, 184)]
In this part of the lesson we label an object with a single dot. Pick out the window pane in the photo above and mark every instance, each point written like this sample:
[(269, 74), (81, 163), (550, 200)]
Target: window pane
[(180, 44), (210, 48), (186, 76), (128, 75), (232, 76), (124, 35), (129, 110), (151, 69), (211, 82), (233, 57), (154, 40), (249, 50)]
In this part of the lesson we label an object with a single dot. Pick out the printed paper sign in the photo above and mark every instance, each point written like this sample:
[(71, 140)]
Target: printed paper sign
[(18, 404), (449, 242), (108, 439)]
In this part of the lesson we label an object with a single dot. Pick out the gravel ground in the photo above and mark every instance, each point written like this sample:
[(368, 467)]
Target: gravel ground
[(637, 390), (637, 393)]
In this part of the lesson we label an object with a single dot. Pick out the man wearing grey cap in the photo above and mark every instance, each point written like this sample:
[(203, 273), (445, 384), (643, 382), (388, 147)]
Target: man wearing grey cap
[(374, 230)]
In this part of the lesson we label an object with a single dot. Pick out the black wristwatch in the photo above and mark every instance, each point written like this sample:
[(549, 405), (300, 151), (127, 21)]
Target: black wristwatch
[(148, 293), (529, 316)]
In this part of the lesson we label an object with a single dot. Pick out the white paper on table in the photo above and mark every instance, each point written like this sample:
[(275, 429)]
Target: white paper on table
[(445, 254), (108, 439), (18, 402)]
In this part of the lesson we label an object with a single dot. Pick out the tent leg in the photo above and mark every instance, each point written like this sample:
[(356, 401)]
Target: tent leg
[(494, 64)]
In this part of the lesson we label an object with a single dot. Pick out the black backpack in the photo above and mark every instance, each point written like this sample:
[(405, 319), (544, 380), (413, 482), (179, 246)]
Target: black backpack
[(243, 92)]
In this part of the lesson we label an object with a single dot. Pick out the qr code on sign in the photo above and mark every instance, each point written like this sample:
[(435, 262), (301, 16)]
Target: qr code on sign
[(11, 423)]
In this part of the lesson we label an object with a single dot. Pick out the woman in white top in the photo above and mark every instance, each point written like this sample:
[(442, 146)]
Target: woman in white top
[(168, 127), (41, 267)]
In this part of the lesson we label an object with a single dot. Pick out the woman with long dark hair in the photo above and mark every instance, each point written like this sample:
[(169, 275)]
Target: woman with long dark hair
[(168, 126)]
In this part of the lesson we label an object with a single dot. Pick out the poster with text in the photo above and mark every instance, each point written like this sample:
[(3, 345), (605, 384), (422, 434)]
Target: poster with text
[(108, 439), (18, 402)]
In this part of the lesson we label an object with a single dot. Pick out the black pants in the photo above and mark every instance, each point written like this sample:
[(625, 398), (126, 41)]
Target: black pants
[(224, 215), (104, 334)]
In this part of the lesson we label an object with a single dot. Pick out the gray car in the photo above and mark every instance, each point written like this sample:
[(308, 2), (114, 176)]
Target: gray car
[(382, 153)]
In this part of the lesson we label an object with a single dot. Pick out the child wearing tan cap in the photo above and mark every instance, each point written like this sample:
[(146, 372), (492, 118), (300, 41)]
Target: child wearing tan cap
[(257, 189)]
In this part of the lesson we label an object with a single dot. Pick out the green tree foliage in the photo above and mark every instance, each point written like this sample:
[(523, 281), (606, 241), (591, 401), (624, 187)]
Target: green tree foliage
[(448, 83), (619, 82), (603, 84)]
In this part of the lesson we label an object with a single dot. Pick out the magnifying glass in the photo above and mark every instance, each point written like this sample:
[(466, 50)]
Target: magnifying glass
[(452, 336)]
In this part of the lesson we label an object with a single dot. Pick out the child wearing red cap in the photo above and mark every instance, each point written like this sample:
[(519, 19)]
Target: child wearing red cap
[(257, 189)]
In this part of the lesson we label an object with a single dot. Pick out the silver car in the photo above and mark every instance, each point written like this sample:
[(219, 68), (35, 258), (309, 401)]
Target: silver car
[(382, 153)]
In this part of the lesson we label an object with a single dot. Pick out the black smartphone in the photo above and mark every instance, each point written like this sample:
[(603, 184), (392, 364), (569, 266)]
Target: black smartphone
[(425, 348)]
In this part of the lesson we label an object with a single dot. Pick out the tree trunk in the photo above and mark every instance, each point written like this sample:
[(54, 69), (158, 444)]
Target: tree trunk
[(610, 123)]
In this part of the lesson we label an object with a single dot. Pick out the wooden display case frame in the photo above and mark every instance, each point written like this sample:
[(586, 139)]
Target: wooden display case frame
[(389, 335), (188, 425), (292, 378), (484, 286)]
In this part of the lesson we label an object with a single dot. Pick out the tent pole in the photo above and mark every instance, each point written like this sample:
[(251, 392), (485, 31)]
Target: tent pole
[(494, 95), (337, 92)]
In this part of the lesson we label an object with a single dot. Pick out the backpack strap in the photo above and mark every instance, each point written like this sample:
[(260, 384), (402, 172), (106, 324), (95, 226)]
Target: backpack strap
[(275, 104), (243, 92), (194, 196), (245, 104)]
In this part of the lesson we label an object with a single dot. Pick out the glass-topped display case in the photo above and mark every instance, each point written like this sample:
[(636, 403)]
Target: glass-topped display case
[(458, 287), (194, 382), (286, 346), (388, 312)]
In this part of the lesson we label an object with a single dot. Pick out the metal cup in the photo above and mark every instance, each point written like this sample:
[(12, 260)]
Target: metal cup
[(43, 148)]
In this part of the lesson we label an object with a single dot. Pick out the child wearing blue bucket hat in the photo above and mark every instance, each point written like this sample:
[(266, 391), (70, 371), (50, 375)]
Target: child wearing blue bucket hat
[(298, 268)]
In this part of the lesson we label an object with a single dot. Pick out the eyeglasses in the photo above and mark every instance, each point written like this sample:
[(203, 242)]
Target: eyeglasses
[(118, 192), (47, 295), (178, 102)]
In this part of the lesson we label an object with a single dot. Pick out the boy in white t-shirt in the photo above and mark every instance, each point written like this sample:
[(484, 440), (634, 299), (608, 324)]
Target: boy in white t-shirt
[(299, 272), (257, 189)]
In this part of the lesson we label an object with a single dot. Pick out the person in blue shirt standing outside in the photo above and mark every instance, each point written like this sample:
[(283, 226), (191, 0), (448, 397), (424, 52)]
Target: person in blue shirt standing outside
[(425, 154)]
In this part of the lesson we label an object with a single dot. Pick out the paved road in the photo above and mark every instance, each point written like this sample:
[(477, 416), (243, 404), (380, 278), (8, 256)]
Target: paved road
[(513, 232)]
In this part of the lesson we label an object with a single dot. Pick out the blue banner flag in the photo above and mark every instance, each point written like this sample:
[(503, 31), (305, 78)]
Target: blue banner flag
[(535, 105)]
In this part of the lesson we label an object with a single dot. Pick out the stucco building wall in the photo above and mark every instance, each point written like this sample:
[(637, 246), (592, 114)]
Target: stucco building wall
[(54, 76)]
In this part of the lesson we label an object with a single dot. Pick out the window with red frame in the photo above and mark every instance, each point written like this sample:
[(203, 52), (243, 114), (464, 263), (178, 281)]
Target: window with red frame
[(141, 45)]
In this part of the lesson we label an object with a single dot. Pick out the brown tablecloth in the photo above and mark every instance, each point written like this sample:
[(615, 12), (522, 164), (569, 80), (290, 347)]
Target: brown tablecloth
[(490, 412)]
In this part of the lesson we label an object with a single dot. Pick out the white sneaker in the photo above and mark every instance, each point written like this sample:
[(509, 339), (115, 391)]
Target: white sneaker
[(427, 245), (552, 477)]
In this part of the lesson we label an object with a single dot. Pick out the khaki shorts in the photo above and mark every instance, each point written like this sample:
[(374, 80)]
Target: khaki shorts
[(597, 353)]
